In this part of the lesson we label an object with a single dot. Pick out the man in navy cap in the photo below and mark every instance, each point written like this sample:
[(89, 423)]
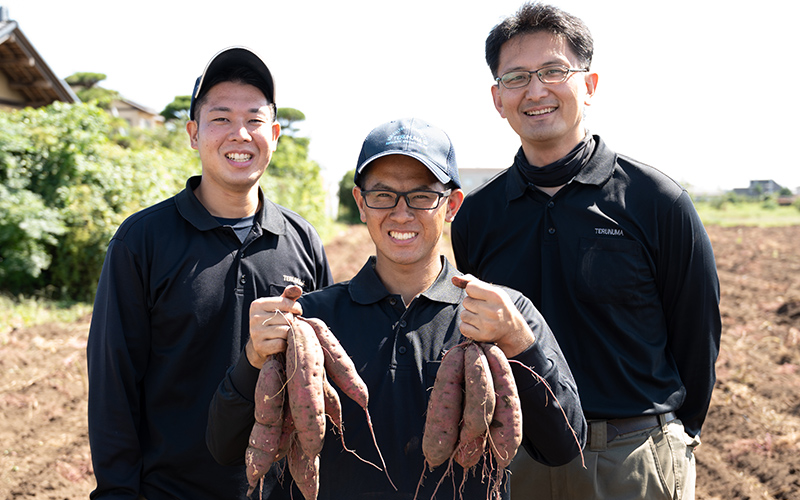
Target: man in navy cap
[(171, 311), (396, 318)]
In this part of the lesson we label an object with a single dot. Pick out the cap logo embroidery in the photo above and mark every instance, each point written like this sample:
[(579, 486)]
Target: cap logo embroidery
[(403, 136)]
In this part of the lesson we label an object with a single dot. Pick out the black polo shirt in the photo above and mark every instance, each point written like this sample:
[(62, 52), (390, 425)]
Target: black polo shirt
[(397, 351), (621, 267), (170, 317)]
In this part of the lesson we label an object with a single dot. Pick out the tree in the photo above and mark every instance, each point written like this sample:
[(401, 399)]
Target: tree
[(178, 109), (85, 80), (348, 210), (87, 89), (287, 117), (65, 186), (68, 180)]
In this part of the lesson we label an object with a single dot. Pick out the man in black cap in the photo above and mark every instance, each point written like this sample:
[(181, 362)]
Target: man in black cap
[(396, 318), (171, 311)]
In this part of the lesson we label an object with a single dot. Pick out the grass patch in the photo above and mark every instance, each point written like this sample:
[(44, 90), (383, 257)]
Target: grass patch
[(23, 312), (747, 214)]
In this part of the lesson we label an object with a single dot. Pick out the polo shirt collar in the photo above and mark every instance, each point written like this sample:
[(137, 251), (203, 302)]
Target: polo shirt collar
[(367, 288), (596, 172), (269, 216)]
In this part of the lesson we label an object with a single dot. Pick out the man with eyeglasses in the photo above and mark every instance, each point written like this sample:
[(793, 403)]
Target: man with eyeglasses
[(396, 318), (614, 255)]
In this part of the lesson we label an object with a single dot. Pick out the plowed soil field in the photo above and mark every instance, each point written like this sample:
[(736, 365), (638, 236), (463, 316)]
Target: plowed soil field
[(751, 440)]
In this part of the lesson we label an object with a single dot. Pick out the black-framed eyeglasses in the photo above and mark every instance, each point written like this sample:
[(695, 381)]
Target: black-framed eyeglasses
[(418, 200), (548, 75)]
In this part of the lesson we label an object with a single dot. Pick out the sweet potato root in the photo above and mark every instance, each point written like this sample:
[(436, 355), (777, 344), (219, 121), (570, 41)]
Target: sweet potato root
[(305, 470)]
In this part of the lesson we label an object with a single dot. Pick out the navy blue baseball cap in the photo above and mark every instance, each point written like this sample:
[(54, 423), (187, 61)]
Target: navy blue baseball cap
[(226, 59), (415, 138)]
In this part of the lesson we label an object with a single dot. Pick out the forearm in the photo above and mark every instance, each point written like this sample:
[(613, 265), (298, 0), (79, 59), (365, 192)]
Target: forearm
[(231, 414)]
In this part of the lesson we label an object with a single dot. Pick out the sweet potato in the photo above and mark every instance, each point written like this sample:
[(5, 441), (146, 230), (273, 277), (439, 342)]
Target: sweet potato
[(266, 437), (469, 452), (305, 373), (287, 434), (342, 371), (505, 431), (444, 409), (257, 463), (479, 398), (333, 405), (338, 365), (305, 470), (269, 394)]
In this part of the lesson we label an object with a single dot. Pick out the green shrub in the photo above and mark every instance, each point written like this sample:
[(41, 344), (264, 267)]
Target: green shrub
[(348, 210), (66, 188), (70, 174)]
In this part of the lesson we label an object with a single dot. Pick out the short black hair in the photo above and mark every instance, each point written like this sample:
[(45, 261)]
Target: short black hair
[(538, 17)]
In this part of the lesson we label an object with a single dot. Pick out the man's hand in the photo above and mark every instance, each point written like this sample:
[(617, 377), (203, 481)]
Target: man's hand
[(490, 316), (269, 324)]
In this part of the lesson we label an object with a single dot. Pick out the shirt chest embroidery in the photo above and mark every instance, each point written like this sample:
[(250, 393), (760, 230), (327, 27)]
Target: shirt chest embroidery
[(607, 231), (294, 280)]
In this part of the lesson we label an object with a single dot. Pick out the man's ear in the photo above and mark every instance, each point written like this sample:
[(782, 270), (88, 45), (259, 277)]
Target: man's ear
[(591, 87), (454, 202), (359, 202), (498, 102), (191, 129)]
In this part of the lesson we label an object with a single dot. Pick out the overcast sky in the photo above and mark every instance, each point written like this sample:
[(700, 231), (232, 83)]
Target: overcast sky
[(699, 89)]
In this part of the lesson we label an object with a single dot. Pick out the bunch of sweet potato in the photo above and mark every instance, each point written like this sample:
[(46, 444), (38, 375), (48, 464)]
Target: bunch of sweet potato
[(474, 409), (292, 398)]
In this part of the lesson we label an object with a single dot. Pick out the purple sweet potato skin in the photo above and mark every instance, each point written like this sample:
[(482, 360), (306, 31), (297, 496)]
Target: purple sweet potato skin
[(444, 409), (479, 398), (270, 391), (305, 373), (505, 431)]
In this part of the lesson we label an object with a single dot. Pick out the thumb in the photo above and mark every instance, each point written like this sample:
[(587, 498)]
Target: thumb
[(462, 281), (292, 292)]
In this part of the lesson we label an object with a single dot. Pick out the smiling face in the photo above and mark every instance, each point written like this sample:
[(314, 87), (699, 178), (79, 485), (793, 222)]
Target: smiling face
[(405, 239), (547, 117), (235, 137)]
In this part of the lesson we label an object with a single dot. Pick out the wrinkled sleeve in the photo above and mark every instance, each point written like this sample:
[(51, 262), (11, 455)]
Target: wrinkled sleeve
[(689, 287), (117, 355), (554, 428), (231, 413)]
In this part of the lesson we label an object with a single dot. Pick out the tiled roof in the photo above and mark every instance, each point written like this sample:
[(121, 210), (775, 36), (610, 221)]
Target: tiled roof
[(27, 72)]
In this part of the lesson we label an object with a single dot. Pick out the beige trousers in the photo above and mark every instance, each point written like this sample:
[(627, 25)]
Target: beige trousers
[(653, 464)]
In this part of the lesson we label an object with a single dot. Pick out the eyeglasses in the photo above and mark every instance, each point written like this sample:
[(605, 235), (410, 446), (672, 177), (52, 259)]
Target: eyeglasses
[(547, 75), (418, 200)]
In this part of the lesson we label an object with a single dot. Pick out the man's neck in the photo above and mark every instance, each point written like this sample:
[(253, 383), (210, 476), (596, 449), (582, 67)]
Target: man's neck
[(226, 204), (408, 281), (541, 154)]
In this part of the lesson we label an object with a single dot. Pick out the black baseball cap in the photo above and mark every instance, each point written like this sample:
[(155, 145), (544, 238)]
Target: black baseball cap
[(223, 62), (415, 138)]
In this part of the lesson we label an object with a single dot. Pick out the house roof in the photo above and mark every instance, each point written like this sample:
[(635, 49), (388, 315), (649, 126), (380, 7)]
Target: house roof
[(25, 69)]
